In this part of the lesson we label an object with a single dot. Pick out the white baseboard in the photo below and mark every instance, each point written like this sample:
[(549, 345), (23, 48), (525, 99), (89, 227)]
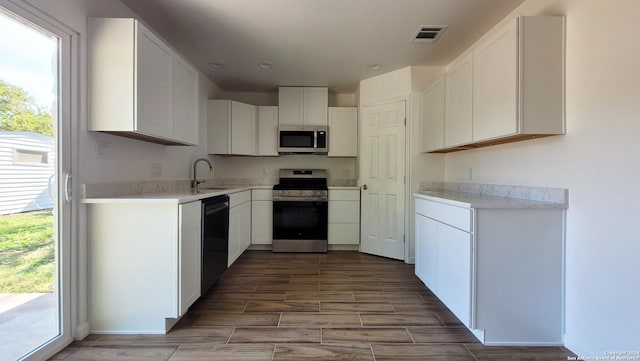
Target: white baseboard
[(82, 331)]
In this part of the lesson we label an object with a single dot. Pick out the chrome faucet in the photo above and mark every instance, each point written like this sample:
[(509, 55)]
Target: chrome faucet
[(195, 181)]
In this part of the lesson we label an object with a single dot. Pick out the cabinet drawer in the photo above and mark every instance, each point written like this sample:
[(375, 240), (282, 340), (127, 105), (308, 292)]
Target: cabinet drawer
[(239, 198), (262, 194), (344, 233), (454, 216), (344, 212), (344, 194)]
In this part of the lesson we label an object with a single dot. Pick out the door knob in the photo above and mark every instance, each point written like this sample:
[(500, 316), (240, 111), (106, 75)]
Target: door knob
[(364, 187)]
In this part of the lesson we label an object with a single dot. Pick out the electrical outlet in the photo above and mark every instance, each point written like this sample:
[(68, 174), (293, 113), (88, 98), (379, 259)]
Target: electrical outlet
[(267, 171), (103, 149), (156, 170)]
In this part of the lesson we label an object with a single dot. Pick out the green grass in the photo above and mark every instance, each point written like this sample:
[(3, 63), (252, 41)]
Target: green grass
[(27, 257)]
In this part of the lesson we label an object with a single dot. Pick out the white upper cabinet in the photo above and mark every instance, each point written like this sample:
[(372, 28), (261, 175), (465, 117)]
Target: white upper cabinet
[(154, 92), (303, 106), (432, 117), (243, 128), (268, 131), (518, 87), (316, 104), (343, 132), (139, 87), (231, 128), (458, 102), (185, 102), (509, 87)]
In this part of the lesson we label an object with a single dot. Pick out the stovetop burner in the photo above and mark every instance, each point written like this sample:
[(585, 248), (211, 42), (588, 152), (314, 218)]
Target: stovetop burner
[(299, 184), (302, 179)]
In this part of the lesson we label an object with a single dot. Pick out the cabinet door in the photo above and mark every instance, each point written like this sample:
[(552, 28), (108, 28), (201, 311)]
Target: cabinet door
[(343, 132), (154, 88), (426, 251), (245, 226), (186, 91), (432, 117), (218, 126), (290, 104), (235, 226), (316, 103), (268, 131), (243, 129), (261, 222), (495, 88), (459, 103), (454, 271), (189, 250)]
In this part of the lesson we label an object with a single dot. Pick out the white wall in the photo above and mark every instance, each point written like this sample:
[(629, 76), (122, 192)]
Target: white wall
[(597, 160)]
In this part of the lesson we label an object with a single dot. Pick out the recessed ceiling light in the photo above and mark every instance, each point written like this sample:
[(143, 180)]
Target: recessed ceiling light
[(374, 66), (216, 65), (265, 65)]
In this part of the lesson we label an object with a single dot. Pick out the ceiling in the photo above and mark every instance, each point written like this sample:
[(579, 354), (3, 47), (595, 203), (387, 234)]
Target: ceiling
[(315, 42)]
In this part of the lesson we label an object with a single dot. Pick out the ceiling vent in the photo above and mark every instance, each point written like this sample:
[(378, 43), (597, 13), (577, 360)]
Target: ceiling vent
[(428, 33)]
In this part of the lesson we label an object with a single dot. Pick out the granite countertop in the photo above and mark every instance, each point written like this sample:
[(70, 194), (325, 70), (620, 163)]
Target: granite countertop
[(170, 197), (472, 200)]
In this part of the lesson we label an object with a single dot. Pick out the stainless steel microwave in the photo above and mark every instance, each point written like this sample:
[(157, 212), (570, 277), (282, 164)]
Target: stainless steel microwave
[(303, 139)]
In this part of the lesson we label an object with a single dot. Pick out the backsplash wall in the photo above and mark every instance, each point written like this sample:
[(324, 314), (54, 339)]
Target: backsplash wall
[(265, 169)]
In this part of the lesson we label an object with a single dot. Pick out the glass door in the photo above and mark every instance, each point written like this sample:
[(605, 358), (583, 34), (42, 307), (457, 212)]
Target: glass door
[(35, 164)]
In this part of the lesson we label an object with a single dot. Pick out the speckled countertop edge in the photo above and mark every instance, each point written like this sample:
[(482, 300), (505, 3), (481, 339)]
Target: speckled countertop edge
[(477, 195)]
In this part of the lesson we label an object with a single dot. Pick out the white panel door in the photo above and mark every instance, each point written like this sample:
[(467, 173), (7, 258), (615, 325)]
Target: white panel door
[(154, 88), (382, 168)]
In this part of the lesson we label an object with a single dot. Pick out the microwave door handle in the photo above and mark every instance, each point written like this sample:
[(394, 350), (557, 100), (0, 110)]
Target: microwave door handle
[(315, 139)]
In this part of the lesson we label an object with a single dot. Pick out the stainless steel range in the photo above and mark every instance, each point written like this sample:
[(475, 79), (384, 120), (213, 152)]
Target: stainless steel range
[(300, 211)]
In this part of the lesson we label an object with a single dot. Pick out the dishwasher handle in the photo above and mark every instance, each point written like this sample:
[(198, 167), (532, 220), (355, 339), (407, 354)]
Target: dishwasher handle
[(214, 208)]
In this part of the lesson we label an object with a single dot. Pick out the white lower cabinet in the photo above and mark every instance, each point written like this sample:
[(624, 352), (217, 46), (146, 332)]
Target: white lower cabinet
[(499, 270), (239, 224), (262, 216), (344, 217), (144, 261)]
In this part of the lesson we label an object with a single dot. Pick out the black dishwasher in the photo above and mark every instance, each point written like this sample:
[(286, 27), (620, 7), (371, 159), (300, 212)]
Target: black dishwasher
[(215, 240)]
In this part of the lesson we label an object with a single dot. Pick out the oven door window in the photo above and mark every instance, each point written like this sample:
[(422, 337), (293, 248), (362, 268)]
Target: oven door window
[(300, 220), (296, 139)]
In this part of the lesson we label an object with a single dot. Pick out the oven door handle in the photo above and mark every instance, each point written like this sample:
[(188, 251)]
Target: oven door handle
[(300, 199)]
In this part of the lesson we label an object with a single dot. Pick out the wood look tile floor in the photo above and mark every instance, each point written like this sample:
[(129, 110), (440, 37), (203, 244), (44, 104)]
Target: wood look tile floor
[(333, 306)]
